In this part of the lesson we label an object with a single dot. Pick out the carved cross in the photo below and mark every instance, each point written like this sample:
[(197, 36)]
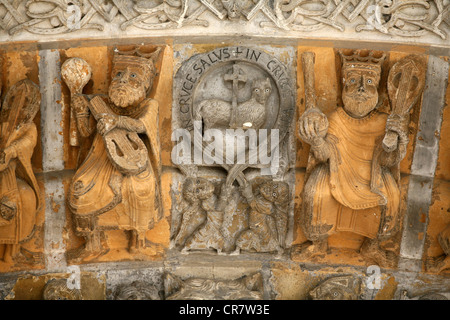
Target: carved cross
[(235, 77)]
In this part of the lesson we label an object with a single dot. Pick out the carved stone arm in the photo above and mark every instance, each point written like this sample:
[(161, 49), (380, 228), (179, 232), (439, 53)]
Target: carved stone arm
[(321, 151), (399, 125), (26, 140), (390, 159), (313, 127), (131, 124), (85, 121), (108, 121)]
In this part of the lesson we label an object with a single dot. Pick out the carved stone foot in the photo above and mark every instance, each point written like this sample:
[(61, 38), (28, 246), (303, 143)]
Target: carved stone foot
[(235, 252), (81, 254), (185, 251), (29, 257), (137, 242), (372, 252), (8, 253), (318, 249), (280, 253), (221, 253)]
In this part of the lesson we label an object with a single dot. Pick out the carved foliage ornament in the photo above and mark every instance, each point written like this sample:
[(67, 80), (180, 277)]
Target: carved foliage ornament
[(392, 17)]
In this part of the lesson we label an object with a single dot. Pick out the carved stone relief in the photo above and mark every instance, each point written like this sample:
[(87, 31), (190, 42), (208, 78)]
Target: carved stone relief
[(117, 186), (337, 288), (57, 289), (394, 18), (224, 96), (352, 181), (246, 288), (441, 264), (138, 290), (19, 189), (431, 295)]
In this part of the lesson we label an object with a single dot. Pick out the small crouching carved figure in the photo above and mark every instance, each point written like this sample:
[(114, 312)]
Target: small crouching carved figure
[(200, 227), (19, 190), (268, 218), (352, 182), (210, 221), (117, 185)]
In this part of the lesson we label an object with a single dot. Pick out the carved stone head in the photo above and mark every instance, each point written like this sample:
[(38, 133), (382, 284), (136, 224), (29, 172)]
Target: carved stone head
[(131, 78), (361, 71), (261, 90), (232, 8), (195, 189), (275, 191)]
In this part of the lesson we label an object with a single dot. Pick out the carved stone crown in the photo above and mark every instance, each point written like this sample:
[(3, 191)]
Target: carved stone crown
[(362, 60), (121, 61)]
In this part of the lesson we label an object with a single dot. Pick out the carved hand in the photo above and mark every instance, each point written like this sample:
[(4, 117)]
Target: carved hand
[(106, 123), (6, 155), (80, 103), (399, 124), (313, 126)]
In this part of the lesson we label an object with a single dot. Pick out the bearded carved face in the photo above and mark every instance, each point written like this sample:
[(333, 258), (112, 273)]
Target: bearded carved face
[(360, 93), (128, 87)]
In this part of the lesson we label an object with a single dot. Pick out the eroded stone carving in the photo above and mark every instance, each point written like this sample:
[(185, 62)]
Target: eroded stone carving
[(246, 288), (444, 241), (441, 264), (433, 294), (352, 176), (395, 18), (268, 218), (229, 223), (244, 95), (57, 289), (20, 198), (117, 186), (138, 290), (406, 19), (337, 288)]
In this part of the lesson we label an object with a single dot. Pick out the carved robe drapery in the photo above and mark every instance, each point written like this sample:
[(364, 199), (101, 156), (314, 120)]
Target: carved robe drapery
[(19, 187), (340, 195), (116, 200)]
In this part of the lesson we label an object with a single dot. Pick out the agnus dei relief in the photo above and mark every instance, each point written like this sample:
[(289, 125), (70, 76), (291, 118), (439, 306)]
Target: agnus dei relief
[(20, 199), (117, 186), (233, 109), (352, 181)]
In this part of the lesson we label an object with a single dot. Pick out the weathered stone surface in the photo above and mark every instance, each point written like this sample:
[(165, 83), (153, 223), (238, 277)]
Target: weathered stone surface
[(35, 47)]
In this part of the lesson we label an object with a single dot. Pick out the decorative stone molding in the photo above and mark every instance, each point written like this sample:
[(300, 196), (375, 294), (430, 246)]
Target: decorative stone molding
[(382, 20)]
